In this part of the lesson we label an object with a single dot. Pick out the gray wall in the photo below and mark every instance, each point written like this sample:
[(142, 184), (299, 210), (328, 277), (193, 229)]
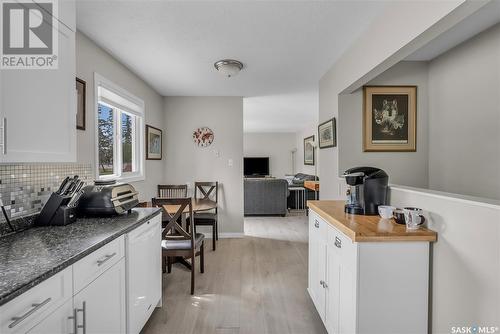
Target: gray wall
[(458, 121), (299, 155), (464, 127), (91, 58), (276, 146), (405, 168), (187, 163)]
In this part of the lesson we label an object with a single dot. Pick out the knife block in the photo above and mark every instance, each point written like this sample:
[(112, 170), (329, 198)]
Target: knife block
[(56, 212)]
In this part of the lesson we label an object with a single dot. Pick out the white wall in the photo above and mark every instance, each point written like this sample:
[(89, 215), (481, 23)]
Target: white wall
[(187, 163), (405, 168), (276, 146), (373, 53), (465, 258), (91, 58), (299, 155), (464, 102)]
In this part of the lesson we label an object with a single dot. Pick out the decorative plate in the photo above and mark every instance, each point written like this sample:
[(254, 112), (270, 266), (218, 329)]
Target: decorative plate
[(203, 136)]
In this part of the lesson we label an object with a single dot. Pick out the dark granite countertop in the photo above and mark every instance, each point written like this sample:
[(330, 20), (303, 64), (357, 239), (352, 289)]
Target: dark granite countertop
[(27, 258)]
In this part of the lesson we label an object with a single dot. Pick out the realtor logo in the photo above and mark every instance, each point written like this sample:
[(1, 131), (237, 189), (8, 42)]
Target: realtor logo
[(29, 34)]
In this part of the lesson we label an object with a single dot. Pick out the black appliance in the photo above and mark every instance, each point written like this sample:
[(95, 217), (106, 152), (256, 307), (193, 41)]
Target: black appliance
[(106, 198), (254, 166), (367, 189)]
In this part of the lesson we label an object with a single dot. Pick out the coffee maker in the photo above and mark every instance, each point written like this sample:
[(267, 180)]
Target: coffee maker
[(367, 189)]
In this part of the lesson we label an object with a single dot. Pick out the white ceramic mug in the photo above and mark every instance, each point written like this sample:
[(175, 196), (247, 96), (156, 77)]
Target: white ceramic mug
[(386, 211), (414, 217)]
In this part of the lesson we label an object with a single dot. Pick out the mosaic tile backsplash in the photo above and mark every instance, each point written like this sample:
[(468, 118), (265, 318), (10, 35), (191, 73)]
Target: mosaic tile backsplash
[(24, 189)]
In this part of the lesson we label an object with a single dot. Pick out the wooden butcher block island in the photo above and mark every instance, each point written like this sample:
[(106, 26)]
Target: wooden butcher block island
[(367, 274), (361, 228)]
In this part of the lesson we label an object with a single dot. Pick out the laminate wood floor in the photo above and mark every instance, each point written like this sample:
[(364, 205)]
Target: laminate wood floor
[(252, 285)]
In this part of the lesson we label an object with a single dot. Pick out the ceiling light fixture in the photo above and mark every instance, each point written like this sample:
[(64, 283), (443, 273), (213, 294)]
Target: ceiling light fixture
[(228, 67)]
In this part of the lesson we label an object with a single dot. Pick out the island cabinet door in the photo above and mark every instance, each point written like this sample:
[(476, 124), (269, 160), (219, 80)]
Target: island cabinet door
[(317, 262), (341, 283), (101, 305)]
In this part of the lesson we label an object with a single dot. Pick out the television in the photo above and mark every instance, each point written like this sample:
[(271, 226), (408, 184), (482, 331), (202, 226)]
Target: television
[(253, 166)]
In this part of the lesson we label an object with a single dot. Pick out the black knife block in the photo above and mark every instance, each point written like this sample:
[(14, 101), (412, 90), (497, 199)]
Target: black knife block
[(56, 212)]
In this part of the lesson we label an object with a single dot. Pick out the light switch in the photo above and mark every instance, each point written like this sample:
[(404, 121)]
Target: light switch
[(230, 162)]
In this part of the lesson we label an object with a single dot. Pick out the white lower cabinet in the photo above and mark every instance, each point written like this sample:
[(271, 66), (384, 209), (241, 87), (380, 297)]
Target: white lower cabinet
[(367, 287), (101, 305), (61, 321), (143, 273), (91, 296)]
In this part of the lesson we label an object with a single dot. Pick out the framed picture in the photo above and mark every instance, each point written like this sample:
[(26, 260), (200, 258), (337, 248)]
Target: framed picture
[(327, 134), (80, 106), (389, 118), (309, 151), (153, 143)]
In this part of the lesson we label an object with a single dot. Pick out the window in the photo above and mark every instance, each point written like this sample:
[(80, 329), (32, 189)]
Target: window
[(120, 118)]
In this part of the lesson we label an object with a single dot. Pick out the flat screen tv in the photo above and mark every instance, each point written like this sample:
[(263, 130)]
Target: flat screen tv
[(256, 166)]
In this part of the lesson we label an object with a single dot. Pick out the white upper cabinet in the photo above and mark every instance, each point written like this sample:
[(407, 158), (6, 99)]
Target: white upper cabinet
[(38, 106)]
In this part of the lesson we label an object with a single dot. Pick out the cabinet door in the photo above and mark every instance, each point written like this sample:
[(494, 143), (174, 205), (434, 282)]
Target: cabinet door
[(317, 262), (58, 322), (38, 107), (333, 290), (102, 302), (313, 277), (144, 273)]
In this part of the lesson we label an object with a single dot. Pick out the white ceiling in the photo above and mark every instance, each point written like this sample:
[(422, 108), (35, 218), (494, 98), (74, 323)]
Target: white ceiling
[(286, 46)]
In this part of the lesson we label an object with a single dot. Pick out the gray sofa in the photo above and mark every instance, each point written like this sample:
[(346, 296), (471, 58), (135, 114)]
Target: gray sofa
[(265, 196)]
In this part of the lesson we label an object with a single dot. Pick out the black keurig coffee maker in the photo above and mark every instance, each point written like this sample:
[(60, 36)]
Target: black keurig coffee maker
[(367, 189)]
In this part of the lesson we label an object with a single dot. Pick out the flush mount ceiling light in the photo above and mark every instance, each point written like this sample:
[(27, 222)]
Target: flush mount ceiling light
[(228, 67)]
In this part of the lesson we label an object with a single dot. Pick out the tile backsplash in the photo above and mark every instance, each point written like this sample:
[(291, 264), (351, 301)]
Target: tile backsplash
[(24, 188)]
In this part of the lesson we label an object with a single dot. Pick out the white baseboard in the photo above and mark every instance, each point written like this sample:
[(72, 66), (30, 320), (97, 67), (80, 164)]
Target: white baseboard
[(225, 235)]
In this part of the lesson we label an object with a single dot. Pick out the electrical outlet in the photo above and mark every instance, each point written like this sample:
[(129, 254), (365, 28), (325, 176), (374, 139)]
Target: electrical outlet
[(230, 162)]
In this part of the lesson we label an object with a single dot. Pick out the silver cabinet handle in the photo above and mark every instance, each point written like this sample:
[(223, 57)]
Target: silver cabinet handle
[(35, 307), (321, 282), (74, 317), (106, 258), (83, 326), (338, 242), (316, 224)]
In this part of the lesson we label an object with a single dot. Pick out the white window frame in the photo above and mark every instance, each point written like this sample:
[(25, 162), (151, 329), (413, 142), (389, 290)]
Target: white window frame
[(138, 159)]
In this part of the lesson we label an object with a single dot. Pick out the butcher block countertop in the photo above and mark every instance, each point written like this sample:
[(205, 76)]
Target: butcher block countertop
[(367, 228)]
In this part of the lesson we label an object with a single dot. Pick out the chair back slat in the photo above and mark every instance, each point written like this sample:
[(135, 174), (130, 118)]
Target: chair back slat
[(172, 228), (206, 190), (172, 191)]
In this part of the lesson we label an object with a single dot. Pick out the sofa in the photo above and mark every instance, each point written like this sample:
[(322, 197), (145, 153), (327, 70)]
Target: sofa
[(298, 181), (263, 196)]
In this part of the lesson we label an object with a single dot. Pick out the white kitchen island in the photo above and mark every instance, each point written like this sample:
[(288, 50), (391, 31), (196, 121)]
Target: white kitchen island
[(367, 274)]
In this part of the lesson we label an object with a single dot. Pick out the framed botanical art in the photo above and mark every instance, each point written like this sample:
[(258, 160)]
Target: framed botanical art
[(389, 118), (80, 103), (153, 143), (309, 151), (327, 134)]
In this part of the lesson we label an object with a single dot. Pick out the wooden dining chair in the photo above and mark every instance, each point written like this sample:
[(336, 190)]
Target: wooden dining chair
[(176, 241), (172, 191), (207, 190)]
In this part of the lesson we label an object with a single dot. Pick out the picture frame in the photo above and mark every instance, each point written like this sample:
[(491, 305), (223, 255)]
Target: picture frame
[(309, 151), (389, 118), (81, 90), (327, 134), (154, 143)]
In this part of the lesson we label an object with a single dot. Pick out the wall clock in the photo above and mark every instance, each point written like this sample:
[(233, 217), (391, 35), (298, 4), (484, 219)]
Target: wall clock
[(203, 136)]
